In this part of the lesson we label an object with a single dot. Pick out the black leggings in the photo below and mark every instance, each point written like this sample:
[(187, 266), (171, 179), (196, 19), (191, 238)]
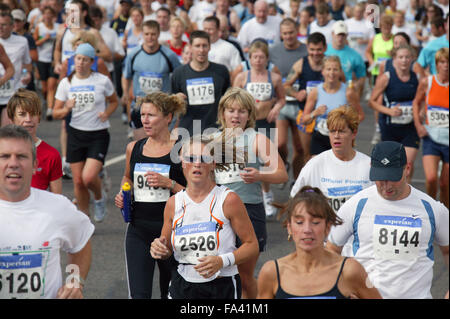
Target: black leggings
[(141, 265)]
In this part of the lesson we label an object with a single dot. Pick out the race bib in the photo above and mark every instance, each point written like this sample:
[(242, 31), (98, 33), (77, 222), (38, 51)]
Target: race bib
[(229, 174), (353, 37), (396, 238), (407, 113), (321, 126), (261, 91), (337, 196), (150, 82), (21, 276), (84, 96), (67, 54), (200, 91), (311, 85), (142, 191), (7, 88), (437, 116), (195, 241)]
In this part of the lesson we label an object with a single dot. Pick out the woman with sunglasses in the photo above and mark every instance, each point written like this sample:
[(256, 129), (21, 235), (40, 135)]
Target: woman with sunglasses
[(154, 176), (311, 271), (201, 224), (236, 119)]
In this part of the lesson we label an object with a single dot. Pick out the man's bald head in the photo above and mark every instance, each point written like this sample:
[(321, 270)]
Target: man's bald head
[(261, 10)]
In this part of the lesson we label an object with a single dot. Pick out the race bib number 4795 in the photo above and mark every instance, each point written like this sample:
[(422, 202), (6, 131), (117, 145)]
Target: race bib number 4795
[(396, 237)]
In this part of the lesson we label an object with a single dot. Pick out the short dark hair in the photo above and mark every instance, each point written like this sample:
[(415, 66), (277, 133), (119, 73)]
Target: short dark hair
[(438, 22), (316, 38), (12, 131), (404, 35), (152, 24), (95, 11), (213, 19), (199, 34)]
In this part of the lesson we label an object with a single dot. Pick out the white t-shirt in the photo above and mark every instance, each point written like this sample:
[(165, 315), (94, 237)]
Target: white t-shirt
[(359, 30), (338, 180), (252, 29), (90, 97), (200, 11), (325, 30), (393, 240), (16, 47), (225, 53), (112, 41), (32, 232), (409, 30)]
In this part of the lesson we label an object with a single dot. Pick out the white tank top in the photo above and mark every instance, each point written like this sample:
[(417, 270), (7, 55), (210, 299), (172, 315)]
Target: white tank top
[(67, 49), (199, 230), (45, 51)]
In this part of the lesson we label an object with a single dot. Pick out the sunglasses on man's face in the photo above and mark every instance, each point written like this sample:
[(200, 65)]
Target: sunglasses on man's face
[(198, 159)]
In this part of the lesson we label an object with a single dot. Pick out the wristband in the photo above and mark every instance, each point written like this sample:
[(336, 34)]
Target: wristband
[(172, 185), (227, 260)]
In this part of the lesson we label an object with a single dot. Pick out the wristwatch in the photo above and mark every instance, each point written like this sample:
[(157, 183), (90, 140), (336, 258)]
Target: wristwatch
[(173, 185)]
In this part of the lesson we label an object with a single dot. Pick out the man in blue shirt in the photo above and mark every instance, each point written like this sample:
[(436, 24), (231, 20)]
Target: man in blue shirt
[(147, 69), (352, 63), (426, 57)]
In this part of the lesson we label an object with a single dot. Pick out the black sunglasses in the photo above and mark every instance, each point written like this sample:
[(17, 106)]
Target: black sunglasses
[(198, 159)]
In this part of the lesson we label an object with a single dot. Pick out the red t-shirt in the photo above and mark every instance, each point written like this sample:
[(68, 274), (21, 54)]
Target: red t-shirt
[(49, 166)]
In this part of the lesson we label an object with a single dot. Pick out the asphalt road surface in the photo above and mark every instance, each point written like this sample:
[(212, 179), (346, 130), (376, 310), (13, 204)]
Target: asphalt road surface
[(107, 276)]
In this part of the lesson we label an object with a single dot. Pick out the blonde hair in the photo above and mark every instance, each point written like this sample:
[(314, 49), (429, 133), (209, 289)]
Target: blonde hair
[(177, 19), (85, 37), (165, 103), (245, 101), (259, 45), (441, 54), (342, 117), (333, 58)]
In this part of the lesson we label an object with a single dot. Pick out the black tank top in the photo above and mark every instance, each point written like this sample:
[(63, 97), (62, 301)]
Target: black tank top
[(146, 214), (333, 293), (308, 74), (399, 91)]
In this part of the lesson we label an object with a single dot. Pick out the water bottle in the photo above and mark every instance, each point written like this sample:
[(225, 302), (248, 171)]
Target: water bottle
[(23, 75), (126, 210)]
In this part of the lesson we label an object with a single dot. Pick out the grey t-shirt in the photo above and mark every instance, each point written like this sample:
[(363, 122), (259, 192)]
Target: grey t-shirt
[(284, 59)]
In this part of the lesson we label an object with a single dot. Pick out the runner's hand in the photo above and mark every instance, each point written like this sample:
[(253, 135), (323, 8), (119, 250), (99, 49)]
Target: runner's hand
[(158, 249), (208, 266)]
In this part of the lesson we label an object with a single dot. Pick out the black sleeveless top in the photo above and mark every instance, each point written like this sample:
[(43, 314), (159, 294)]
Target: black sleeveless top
[(333, 293), (308, 74), (150, 213)]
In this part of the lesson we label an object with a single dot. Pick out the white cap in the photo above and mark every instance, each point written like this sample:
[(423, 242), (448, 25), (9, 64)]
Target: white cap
[(18, 14), (340, 27)]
